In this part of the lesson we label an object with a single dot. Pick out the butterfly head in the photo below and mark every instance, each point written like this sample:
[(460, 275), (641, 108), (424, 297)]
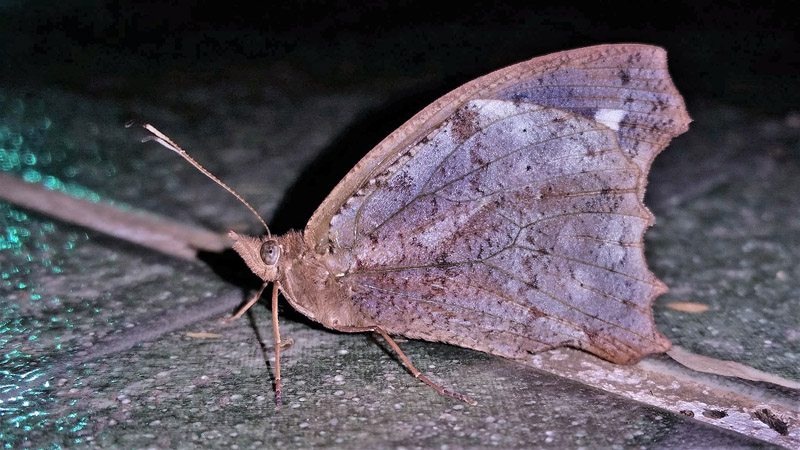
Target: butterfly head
[(261, 254)]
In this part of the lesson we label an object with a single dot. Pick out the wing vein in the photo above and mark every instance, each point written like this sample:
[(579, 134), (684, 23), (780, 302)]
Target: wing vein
[(556, 299), (596, 266), (474, 310)]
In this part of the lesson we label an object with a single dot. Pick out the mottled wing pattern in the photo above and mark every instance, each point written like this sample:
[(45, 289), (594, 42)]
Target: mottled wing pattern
[(514, 224)]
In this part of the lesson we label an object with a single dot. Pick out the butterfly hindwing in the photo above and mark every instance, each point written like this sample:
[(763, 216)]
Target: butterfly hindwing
[(512, 228)]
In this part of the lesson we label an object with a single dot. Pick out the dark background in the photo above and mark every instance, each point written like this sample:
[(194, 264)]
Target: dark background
[(744, 53), (163, 53)]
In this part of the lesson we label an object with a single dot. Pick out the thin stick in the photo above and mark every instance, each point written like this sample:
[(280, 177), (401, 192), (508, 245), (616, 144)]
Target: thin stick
[(417, 374), (277, 332), (247, 306), (158, 233), (162, 139)]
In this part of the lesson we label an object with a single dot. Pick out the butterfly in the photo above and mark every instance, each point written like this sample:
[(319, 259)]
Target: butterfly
[(506, 217)]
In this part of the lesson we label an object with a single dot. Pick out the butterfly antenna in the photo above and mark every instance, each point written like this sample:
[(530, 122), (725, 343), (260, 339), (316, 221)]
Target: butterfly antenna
[(162, 139)]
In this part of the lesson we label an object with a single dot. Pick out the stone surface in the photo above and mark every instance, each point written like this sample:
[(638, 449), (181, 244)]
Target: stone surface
[(726, 199)]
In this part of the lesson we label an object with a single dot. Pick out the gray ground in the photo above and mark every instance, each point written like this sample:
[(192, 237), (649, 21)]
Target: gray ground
[(104, 323)]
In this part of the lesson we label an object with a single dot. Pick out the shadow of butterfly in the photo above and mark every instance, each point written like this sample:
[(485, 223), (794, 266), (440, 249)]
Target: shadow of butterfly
[(505, 217)]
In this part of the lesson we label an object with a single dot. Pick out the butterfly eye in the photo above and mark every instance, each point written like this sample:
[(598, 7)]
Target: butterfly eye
[(270, 251)]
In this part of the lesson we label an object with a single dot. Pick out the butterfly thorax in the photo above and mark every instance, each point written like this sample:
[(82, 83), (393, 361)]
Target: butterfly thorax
[(305, 280)]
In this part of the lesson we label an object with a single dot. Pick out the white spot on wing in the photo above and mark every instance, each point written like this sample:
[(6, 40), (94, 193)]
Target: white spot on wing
[(610, 117)]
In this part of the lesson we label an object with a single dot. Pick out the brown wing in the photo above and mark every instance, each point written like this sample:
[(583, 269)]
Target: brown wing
[(508, 226)]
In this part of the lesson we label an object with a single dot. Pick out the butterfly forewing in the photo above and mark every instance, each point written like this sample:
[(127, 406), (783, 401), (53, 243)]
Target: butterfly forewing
[(624, 86)]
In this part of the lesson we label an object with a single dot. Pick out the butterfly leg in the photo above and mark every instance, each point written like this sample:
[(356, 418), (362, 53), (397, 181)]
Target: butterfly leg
[(277, 334), (247, 306), (417, 374), (275, 329)]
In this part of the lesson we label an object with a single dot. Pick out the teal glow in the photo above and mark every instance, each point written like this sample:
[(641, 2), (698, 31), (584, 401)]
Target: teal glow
[(40, 144), (53, 183), (31, 176)]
